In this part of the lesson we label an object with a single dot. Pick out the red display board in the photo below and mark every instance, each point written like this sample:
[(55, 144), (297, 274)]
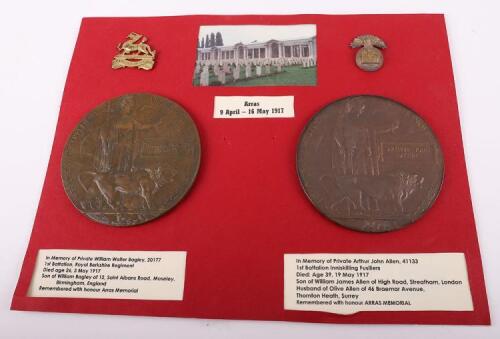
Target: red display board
[(246, 208)]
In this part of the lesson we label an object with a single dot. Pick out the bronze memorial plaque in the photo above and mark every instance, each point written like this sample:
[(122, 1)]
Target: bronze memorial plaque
[(131, 159), (370, 164)]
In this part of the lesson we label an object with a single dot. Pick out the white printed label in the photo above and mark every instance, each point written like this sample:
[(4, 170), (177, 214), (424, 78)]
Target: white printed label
[(148, 275), (349, 283), (234, 107)]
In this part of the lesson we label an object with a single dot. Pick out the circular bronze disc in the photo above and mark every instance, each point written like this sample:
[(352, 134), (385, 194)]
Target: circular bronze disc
[(131, 159), (370, 164)]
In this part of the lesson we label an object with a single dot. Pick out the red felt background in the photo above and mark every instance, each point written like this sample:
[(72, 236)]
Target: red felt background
[(246, 208)]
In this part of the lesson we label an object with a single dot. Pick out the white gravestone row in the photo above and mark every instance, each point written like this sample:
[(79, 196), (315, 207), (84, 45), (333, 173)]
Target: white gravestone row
[(205, 76), (262, 67), (248, 70), (236, 73), (258, 70)]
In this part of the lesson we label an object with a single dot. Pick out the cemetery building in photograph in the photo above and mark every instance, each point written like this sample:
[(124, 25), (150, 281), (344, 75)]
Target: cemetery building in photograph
[(268, 51)]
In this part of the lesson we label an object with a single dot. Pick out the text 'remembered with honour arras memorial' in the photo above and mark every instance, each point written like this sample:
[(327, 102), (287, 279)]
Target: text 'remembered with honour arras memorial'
[(147, 275), (241, 107), (350, 283)]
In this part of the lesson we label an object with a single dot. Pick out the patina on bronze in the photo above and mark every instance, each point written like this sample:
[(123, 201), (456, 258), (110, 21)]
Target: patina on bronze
[(131, 159), (370, 164)]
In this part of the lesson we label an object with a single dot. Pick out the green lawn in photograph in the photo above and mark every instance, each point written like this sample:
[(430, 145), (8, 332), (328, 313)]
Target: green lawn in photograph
[(291, 76)]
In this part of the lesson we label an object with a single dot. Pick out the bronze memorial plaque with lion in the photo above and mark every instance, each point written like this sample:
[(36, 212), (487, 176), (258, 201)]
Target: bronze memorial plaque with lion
[(370, 164), (131, 159)]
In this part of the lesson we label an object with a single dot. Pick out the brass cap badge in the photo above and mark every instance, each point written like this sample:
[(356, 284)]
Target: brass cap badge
[(134, 52), (369, 57)]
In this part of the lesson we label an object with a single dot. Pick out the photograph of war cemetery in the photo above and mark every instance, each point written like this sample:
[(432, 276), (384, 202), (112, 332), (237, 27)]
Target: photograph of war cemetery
[(256, 55)]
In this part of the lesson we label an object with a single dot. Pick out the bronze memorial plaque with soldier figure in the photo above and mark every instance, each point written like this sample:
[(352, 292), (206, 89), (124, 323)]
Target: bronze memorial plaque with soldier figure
[(370, 164), (131, 159)]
